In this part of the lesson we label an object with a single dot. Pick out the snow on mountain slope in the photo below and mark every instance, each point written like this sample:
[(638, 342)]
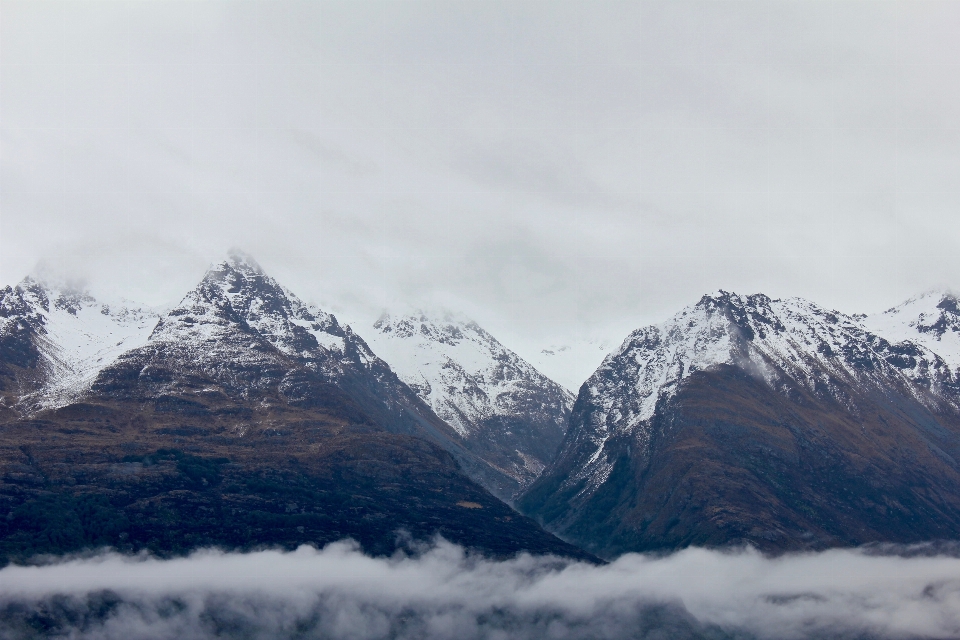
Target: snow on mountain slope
[(491, 396), (74, 335), (239, 324), (931, 319), (242, 328), (751, 420), (239, 337), (462, 371), (779, 341)]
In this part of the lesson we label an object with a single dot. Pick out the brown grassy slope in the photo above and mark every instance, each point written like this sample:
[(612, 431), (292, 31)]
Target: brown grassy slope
[(174, 473)]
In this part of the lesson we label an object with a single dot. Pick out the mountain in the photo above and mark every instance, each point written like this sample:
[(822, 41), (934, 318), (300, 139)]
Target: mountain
[(243, 331), (55, 339), (504, 410), (745, 419), (931, 319), (245, 418)]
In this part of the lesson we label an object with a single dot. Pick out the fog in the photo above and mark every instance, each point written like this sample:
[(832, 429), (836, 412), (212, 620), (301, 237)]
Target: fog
[(443, 592), (557, 170)]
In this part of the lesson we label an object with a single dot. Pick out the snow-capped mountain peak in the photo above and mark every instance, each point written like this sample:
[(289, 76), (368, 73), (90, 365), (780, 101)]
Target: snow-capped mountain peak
[(759, 414), (429, 348), (493, 398), (462, 371), (71, 335), (444, 327), (237, 294), (931, 319), (781, 341)]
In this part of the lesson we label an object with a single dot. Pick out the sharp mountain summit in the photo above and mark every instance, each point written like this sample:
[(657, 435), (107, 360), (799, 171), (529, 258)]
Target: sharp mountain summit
[(243, 418)]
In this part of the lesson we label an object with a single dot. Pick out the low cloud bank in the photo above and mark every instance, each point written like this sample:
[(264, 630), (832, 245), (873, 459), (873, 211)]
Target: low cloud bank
[(443, 592)]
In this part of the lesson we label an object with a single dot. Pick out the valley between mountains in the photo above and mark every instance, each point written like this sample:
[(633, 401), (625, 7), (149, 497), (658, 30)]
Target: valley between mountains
[(242, 417)]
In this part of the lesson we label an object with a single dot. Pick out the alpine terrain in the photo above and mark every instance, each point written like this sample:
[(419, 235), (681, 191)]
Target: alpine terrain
[(240, 418), (931, 319), (746, 419), (54, 339), (505, 411)]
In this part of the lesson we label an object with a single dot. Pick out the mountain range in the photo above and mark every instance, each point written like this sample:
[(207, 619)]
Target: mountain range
[(242, 416)]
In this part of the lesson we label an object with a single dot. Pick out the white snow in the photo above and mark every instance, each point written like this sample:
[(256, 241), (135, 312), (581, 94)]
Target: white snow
[(456, 367), (915, 320), (82, 336), (209, 324), (328, 341), (769, 338)]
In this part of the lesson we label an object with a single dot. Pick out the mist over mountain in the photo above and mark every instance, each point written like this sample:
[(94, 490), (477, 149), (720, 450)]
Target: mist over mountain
[(440, 592), (572, 362), (198, 444)]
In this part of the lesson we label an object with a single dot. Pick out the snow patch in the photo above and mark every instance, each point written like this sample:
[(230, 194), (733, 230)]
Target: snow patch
[(460, 370)]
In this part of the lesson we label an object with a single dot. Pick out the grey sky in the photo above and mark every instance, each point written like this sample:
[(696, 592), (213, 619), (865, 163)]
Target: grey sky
[(555, 170)]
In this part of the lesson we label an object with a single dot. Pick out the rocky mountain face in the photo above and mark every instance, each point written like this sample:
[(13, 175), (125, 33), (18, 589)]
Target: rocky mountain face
[(746, 419), (55, 339), (243, 418), (931, 319), (240, 329), (504, 410)]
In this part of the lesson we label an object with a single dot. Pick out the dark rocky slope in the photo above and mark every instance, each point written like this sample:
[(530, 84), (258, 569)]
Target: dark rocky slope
[(173, 477), (750, 420), (246, 419), (239, 327)]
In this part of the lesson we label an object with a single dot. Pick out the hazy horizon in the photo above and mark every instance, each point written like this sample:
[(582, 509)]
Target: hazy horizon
[(559, 174)]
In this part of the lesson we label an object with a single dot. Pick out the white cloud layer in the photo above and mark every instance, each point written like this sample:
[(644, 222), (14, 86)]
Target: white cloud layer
[(442, 592)]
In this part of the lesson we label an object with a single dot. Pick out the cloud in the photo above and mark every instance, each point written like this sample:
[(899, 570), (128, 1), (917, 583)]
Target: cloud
[(642, 152), (443, 592)]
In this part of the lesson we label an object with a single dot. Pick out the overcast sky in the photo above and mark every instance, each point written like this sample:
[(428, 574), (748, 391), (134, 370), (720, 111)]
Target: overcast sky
[(556, 170)]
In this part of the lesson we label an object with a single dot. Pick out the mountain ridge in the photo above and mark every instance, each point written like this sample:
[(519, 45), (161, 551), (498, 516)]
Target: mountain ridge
[(245, 418), (499, 404), (743, 419), (806, 367), (64, 337)]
